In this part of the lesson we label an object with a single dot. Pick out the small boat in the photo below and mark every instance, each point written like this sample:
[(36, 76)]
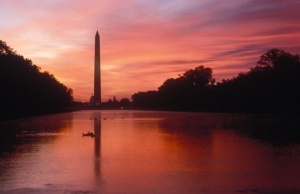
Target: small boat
[(91, 134)]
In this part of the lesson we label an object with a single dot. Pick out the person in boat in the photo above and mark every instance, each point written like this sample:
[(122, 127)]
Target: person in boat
[(88, 134)]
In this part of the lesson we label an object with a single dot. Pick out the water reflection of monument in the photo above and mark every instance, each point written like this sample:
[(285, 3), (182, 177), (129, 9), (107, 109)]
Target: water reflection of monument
[(97, 132), (97, 145)]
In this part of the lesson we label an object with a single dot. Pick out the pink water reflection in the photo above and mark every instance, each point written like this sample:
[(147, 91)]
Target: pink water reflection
[(147, 152)]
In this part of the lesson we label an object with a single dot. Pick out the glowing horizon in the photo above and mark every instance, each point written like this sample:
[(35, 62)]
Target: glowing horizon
[(144, 43)]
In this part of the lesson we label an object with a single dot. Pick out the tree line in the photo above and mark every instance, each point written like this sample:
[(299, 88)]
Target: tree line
[(272, 86), (27, 91)]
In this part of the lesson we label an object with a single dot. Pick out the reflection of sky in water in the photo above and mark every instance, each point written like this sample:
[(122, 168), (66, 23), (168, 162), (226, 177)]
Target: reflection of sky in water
[(141, 151)]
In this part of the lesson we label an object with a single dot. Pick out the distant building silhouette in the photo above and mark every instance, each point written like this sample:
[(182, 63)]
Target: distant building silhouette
[(92, 102), (96, 98)]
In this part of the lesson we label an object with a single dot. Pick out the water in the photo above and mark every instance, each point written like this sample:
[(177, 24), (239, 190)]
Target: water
[(150, 152)]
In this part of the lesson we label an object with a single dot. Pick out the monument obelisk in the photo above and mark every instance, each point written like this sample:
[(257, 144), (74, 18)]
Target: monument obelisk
[(97, 78)]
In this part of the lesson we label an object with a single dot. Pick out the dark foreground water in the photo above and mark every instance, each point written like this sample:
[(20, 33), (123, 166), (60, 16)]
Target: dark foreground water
[(150, 152)]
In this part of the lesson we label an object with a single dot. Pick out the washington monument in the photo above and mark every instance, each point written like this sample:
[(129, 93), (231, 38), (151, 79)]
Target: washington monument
[(97, 78)]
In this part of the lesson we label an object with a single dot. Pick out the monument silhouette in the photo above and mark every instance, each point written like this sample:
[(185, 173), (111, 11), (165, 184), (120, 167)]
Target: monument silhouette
[(96, 98)]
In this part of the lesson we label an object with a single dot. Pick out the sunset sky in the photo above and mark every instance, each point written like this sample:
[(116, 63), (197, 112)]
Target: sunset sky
[(145, 42)]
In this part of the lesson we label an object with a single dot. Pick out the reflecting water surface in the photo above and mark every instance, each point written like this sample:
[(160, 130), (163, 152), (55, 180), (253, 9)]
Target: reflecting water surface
[(150, 152)]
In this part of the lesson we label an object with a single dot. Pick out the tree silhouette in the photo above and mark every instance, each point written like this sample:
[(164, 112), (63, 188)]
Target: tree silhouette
[(5, 49), (200, 76), (187, 92), (272, 86), (25, 90), (125, 103)]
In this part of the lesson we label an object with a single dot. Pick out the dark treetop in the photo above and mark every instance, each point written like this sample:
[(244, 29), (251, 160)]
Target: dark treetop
[(25, 90)]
